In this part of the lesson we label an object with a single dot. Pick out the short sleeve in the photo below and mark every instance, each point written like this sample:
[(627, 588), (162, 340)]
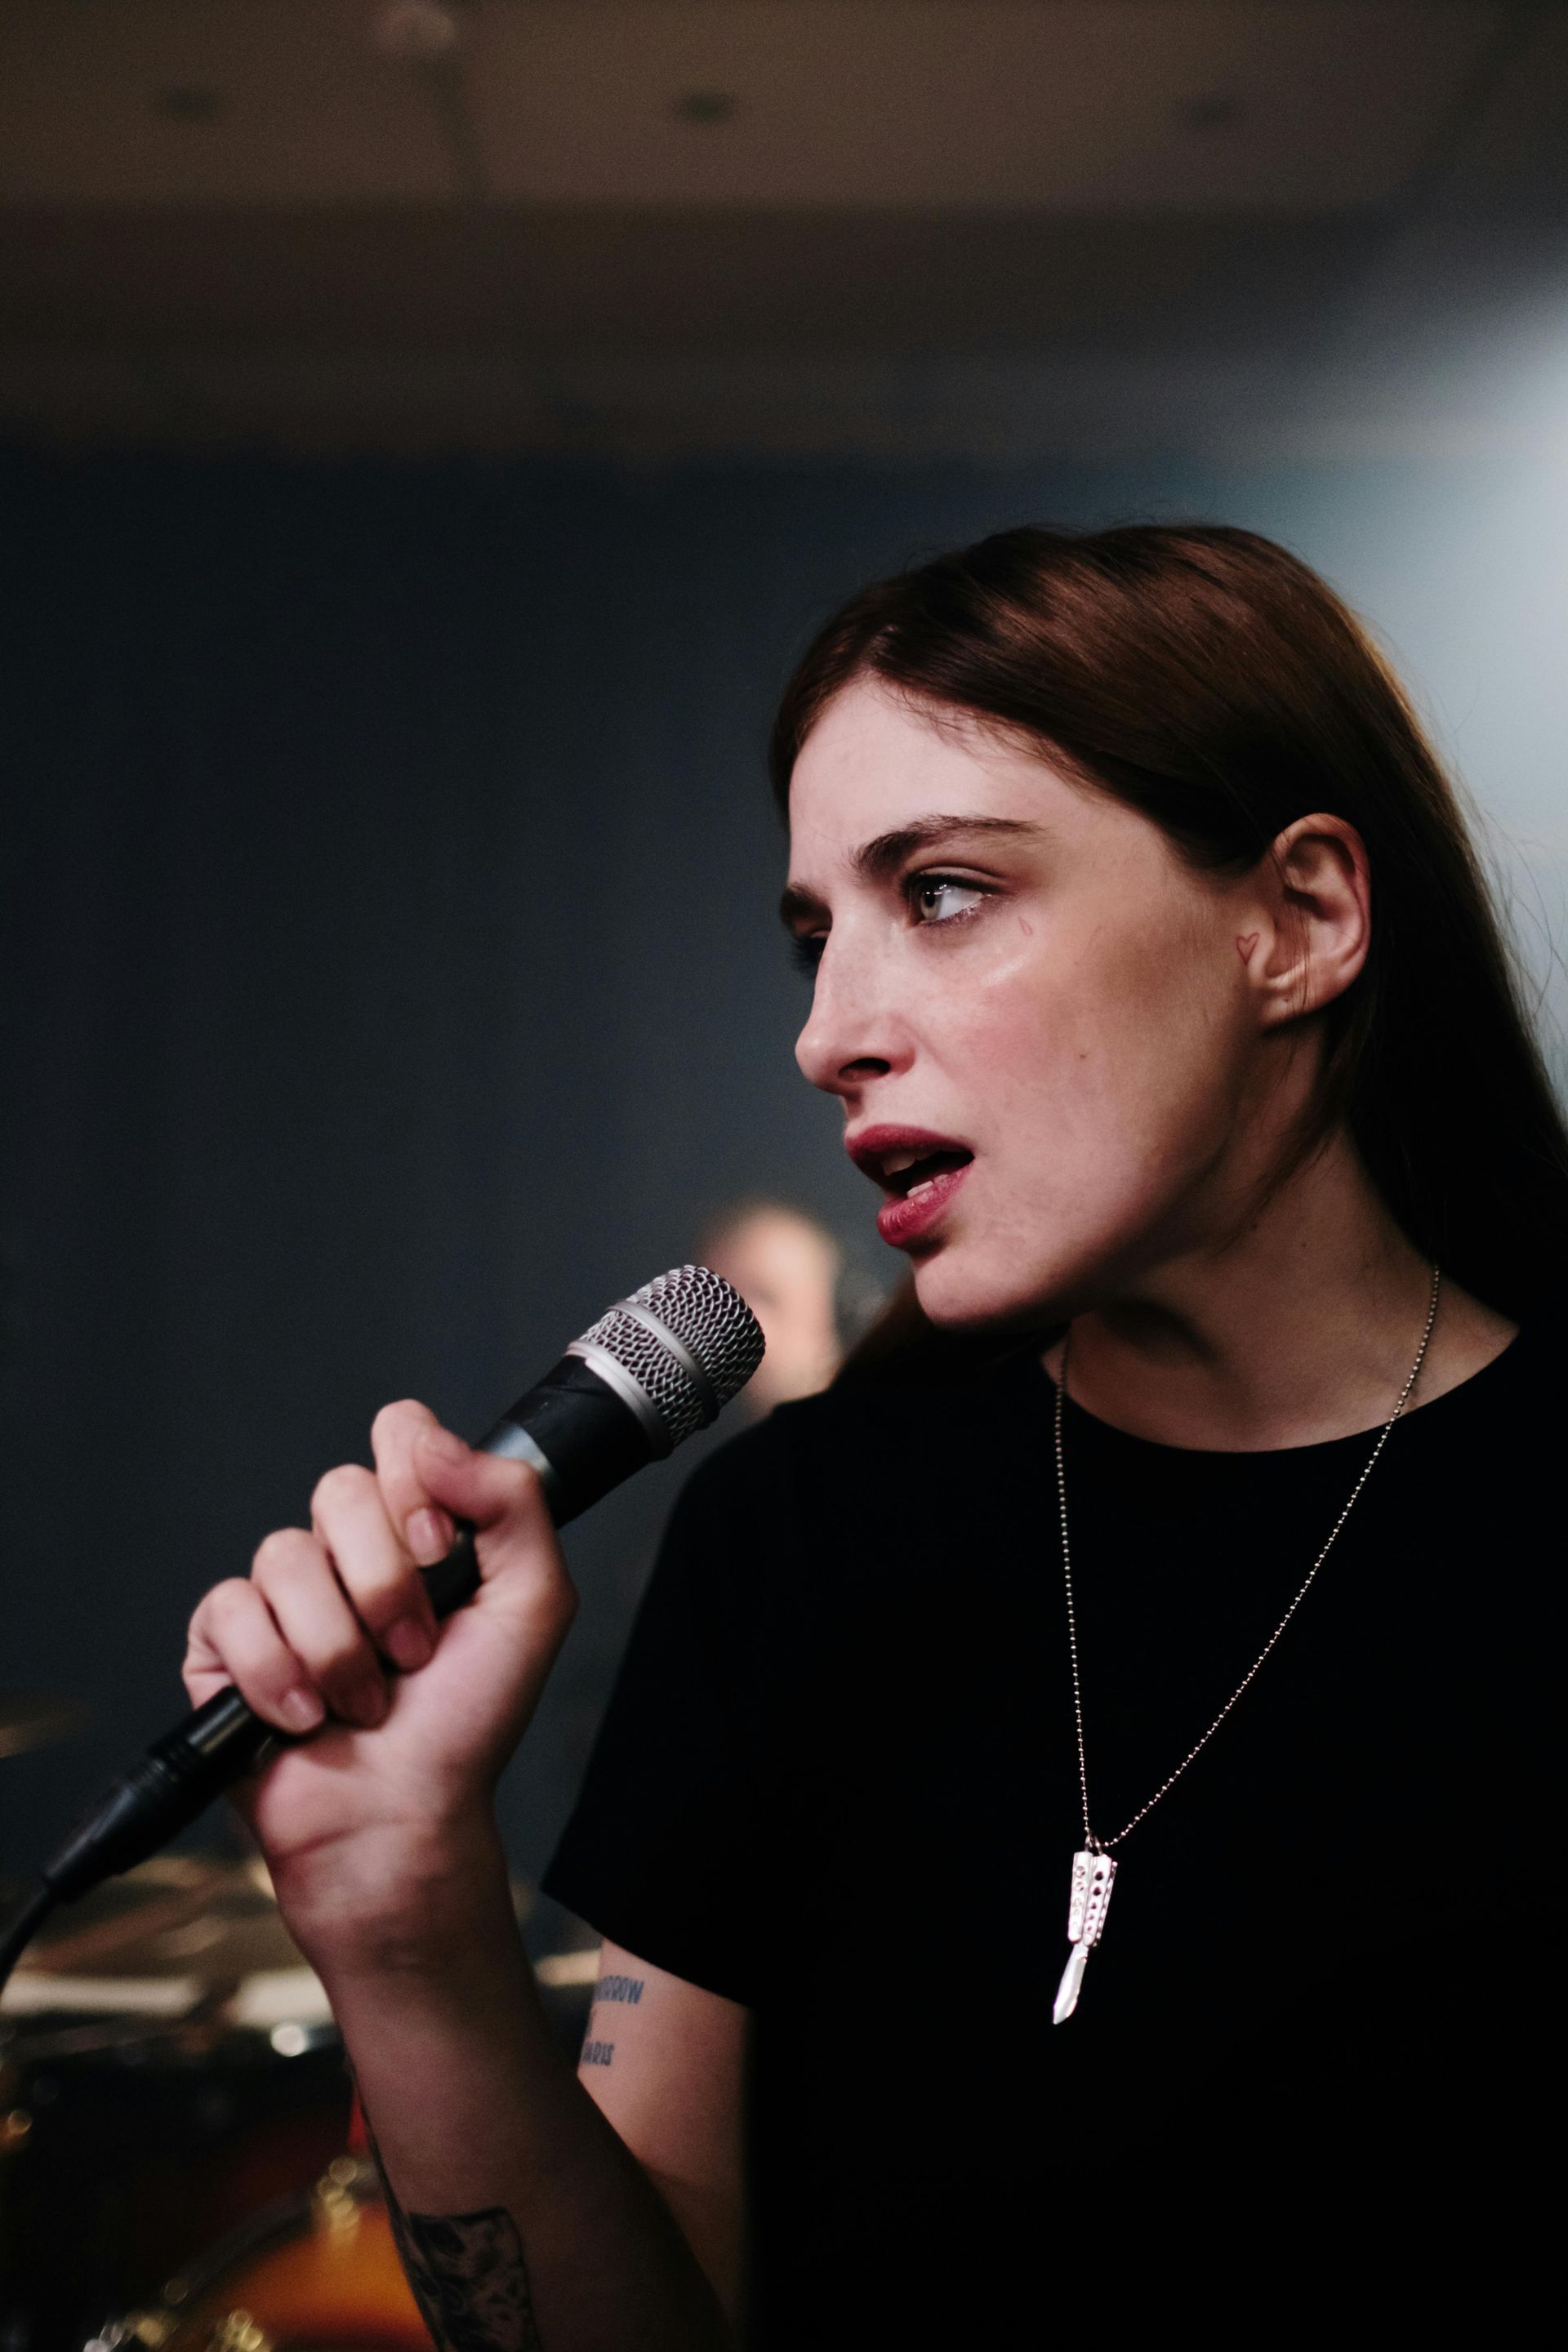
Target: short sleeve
[(660, 1850)]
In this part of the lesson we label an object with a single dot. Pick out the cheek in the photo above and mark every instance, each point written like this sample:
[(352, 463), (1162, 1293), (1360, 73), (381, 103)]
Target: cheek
[(1126, 1051)]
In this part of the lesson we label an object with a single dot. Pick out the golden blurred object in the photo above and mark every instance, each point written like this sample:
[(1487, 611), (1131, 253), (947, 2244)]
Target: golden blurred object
[(180, 1934), (320, 2274), (210, 1920), (566, 1969), (36, 1720), (169, 2070)]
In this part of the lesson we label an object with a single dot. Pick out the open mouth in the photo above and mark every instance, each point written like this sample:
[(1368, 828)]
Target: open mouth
[(917, 1173), (907, 1175)]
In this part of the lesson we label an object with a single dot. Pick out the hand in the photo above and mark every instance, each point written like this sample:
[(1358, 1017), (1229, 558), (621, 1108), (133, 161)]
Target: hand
[(364, 1826)]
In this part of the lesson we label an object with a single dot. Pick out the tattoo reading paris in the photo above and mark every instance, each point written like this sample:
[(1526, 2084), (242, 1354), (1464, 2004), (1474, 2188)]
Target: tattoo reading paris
[(468, 2279)]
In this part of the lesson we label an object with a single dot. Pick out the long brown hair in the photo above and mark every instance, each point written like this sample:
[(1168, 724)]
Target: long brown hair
[(1208, 678)]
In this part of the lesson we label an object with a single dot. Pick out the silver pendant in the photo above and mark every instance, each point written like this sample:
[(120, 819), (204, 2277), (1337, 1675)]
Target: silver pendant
[(1091, 1899)]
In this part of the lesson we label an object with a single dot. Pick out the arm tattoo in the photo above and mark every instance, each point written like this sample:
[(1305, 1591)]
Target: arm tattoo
[(469, 2278), (626, 1988), (467, 2274)]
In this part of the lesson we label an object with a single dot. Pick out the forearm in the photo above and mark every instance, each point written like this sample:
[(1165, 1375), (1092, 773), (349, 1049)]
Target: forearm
[(526, 2225)]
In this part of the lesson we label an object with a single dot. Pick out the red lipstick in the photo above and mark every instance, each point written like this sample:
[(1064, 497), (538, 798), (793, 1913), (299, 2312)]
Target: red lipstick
[(919, 1171)]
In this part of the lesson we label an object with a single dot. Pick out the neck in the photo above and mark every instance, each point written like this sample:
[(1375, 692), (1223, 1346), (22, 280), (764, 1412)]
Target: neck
[(1301, 1326)]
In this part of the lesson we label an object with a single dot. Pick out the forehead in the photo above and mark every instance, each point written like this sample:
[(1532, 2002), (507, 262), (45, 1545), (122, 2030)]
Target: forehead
[(874, 763)]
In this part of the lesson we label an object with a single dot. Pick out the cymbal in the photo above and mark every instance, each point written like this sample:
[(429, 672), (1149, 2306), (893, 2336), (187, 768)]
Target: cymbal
[(206, 1923), (184, 1941), (213, 1921), (34, 1719), (166, 1948)]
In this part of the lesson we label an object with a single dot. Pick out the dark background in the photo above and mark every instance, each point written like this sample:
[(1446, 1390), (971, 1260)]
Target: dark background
[(389, 974), (420, 459)]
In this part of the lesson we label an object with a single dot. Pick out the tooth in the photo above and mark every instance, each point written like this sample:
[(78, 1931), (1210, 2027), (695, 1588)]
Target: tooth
[(896, 1162), (915, 1190)]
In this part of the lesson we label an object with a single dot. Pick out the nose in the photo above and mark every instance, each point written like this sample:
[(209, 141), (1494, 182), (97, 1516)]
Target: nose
[(851, 1035)]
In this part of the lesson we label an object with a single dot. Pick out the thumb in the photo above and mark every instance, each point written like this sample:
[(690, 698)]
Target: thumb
[(504, 1499)]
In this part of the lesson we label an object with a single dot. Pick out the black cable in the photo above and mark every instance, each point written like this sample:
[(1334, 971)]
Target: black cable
[(30, 1916), (219, 1743)]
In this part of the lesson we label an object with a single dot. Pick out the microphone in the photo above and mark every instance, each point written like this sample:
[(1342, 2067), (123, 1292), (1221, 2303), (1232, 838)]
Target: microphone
[(654, 1368)]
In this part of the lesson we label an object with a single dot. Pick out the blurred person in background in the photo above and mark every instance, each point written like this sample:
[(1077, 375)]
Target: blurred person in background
[(1186, 1514), (786, 1266)]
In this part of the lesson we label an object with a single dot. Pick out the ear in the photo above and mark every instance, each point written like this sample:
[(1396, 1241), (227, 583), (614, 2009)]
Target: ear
[(1313, 919)]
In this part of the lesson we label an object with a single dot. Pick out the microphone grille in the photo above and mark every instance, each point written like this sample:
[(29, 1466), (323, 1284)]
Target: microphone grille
[(709, 1324)]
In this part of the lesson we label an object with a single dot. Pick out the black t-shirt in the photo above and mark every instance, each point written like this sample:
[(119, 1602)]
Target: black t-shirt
[(1312, 2062)]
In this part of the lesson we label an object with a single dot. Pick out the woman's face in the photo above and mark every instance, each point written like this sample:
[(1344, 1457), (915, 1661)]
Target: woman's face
[(1040, 1021)]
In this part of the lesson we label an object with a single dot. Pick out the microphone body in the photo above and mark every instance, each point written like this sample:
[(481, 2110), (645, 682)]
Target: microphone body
[(654, 1368)]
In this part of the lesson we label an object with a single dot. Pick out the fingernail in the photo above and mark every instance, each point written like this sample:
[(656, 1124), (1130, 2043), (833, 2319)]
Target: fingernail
[(443, 1442), (407, 1644), (429, 1538), (302, 1709)]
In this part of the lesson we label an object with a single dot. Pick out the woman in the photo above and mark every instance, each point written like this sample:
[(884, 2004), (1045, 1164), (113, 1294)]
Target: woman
[(1159, 987)]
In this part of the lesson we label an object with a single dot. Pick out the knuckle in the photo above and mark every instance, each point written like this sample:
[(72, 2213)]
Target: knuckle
[(554, 1600), (339, 1488), (279, 1553), (399, 1419), (220, 1606)]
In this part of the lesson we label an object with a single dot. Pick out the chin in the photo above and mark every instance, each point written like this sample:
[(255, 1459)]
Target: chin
[(959, 1293)]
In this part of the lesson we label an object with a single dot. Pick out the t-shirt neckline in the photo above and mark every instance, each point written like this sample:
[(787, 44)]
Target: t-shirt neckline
[(1478, 1386)]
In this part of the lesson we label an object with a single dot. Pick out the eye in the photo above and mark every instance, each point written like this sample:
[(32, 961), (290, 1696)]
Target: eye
[(806, 951), (943, 898)]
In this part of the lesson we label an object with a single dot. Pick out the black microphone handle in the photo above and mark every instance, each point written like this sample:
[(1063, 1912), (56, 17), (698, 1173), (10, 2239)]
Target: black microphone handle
[(217, 1743), (576, 1433)]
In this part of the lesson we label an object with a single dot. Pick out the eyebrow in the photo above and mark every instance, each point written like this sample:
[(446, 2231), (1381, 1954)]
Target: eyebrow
[(878, 859)]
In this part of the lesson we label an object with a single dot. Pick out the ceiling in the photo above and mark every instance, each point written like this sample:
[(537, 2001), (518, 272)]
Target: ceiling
[(887, 226)]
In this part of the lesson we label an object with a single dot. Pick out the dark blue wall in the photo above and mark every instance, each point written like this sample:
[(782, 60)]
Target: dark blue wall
[(389, 968)]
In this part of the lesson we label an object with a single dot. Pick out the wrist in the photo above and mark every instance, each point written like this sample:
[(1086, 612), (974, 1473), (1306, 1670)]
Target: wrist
[(400, 1899)]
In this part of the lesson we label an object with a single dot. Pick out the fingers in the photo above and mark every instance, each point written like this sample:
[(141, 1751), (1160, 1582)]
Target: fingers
[(429, 1479), (504, 1499), (425, 1528), (349, 1515), (304, 1637), (233, 1638), (309, 1607), (324, 1611)]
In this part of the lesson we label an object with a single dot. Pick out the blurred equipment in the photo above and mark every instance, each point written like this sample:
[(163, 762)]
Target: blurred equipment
[(170, 2079), (168, 2070), (787, 1267), (32, 1720), (203, 1927), (316, 2272)]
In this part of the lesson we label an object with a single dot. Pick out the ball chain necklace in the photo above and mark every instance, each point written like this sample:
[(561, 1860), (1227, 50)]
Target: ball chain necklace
[(1093, 1869)]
